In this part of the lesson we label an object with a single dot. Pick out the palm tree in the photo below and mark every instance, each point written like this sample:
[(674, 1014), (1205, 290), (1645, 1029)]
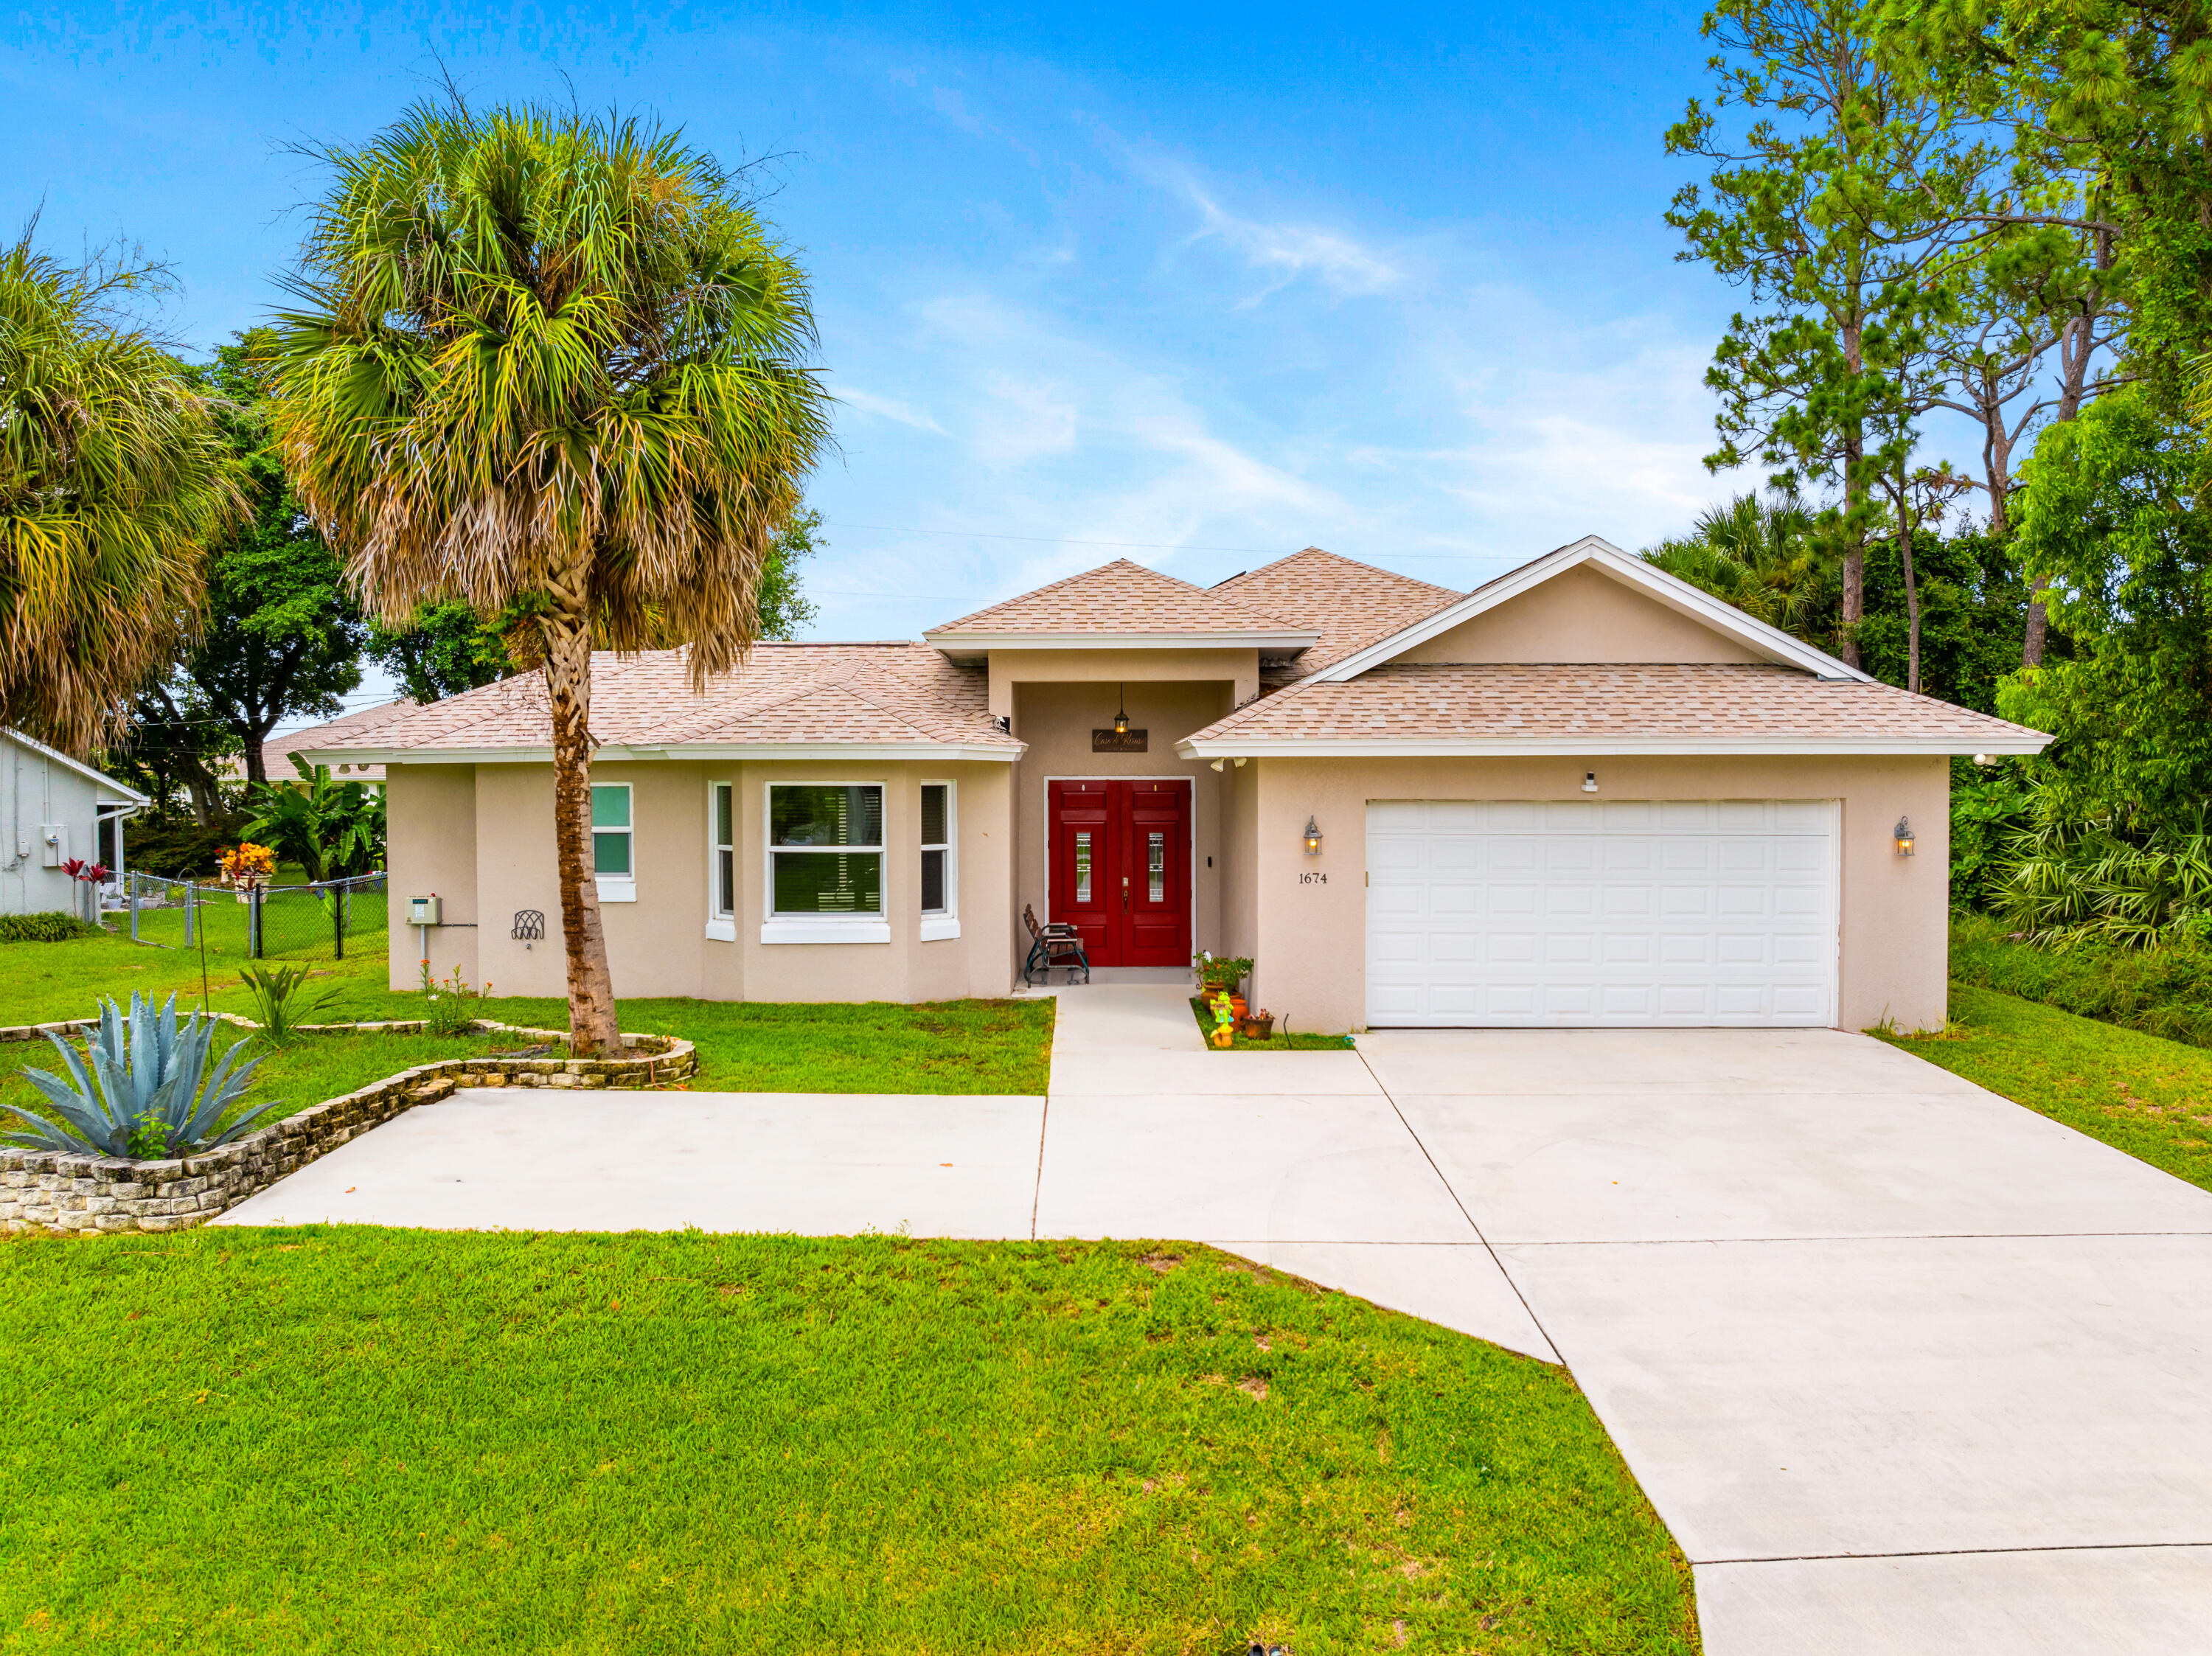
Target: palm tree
[(1762, 556), (553, 365), (112, 477)]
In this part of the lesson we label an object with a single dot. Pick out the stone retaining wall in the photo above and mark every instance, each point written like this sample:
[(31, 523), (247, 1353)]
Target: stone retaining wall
[(54, 1191)]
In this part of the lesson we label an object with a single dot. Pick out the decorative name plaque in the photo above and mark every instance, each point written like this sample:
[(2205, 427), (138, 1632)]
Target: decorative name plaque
[(1118, 742)]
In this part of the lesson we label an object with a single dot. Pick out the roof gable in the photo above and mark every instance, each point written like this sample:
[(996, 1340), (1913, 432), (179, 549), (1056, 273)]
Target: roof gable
[(1122, 602), (1761, 642)]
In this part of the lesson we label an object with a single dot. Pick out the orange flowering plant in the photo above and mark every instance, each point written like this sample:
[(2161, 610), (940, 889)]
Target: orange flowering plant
[(247, 864)]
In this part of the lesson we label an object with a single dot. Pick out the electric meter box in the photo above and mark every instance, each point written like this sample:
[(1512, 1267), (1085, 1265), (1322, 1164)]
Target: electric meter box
[(422, 911)]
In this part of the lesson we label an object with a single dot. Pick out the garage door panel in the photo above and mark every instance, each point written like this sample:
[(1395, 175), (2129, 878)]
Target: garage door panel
[(1630, 912)]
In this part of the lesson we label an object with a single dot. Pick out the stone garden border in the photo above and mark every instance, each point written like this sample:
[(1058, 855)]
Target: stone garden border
[(52, 1190)]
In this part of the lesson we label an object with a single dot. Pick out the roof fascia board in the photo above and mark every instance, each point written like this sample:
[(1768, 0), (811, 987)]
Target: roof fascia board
[(1672, 590), (55, 755), (1247, 639), (1229, 747), (998, 752)]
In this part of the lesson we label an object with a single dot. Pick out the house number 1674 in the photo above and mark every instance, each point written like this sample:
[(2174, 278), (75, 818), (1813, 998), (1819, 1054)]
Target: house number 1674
[(1313, 878)]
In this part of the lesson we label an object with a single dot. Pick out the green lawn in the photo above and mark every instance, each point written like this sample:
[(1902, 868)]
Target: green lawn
[(2138, 1092), (339, 1440), (1280, 1042), (877, 1046), (310, 1069)]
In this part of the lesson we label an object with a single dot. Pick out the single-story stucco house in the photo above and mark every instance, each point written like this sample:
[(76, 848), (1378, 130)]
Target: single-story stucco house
[(57, 809), (1587, 793)]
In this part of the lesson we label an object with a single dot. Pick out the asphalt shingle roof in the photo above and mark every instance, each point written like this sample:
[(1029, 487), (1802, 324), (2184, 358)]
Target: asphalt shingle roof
[(1400, 701), (811, 692), (1349, 605), (1123, 598)]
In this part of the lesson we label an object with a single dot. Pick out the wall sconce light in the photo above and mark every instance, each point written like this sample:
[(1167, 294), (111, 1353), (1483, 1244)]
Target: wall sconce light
[(1313, 838), (1121, 719), (1904, 837), (1589, 781)]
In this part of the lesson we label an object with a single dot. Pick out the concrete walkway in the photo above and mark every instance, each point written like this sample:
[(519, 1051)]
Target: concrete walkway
[(1906, 1367)]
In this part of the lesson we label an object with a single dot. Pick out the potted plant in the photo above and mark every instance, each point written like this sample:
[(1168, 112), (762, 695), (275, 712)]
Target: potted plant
[(1222, 973), (246, 867)]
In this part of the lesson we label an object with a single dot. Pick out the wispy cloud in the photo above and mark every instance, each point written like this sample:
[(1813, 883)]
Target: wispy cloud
[(1286, 251), (886, 407)]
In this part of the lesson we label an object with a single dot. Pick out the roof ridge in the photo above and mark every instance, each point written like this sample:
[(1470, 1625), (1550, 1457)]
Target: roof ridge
[(1236, 610)]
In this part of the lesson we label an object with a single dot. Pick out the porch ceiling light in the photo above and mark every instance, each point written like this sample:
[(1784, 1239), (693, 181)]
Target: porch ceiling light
[(1313, 838), (1121, 719), (1904, 832)]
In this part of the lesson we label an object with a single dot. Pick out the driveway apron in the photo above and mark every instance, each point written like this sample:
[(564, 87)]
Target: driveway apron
[(1904, 1367)]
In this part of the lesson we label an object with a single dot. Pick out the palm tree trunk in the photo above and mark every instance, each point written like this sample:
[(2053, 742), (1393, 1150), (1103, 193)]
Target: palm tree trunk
[(591, 1028)]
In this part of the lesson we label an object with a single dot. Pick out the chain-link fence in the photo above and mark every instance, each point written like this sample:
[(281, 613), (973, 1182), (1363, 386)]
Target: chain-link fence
[(327, 921)]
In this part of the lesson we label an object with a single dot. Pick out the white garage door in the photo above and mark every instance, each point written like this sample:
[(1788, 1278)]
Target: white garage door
[(1627, 911)]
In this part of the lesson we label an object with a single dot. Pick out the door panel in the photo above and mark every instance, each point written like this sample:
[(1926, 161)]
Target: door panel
[(1085, 881), (1158, 873), (1120, 861)]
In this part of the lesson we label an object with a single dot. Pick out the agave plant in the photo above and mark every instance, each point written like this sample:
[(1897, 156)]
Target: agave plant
[(142, 1089)]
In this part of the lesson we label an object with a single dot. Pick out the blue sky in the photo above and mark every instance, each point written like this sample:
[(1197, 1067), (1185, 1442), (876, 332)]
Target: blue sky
[(1210, 283)]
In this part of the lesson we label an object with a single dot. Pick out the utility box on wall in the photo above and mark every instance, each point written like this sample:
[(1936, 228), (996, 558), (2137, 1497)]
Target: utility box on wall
[(422, 911), (54, 844)]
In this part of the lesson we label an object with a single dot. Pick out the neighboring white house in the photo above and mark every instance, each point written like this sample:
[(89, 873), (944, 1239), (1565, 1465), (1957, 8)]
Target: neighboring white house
[(55, 808)]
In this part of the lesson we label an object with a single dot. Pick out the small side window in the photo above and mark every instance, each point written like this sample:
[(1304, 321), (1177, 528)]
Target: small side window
[(614, 852), (937, 848), (722, 898)]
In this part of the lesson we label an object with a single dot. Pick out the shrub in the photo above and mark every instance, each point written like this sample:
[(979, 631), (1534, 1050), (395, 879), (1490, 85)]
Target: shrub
[(142, 1089), (280, 1002), (2067, 881), (2163, 991), (50, 926)]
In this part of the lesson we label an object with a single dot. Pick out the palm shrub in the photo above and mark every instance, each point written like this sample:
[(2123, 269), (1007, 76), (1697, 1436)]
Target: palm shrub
[(142, 1089), (551, 366), (2065, 880)]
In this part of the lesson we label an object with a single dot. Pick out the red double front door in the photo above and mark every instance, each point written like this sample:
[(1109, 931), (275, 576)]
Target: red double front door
[(1120, 869)]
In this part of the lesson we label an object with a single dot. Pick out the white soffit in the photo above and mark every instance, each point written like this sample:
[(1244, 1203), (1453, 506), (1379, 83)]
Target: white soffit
[(1675, 593)]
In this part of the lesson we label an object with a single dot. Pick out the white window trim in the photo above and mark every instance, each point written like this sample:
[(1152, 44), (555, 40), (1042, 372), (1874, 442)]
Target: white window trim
[(618, 887), (823, 928), (939, 926), (721, 925)]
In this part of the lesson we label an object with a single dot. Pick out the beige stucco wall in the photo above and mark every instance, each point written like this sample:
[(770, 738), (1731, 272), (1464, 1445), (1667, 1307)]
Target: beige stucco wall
[(1240, 858), (1056, 721), (1240, 668), (430, 814), (1311, 939), (1580, 615), (487, 832)]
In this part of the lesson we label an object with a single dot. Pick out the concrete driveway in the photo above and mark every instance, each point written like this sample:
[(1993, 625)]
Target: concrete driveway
[(1906, 1367)]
